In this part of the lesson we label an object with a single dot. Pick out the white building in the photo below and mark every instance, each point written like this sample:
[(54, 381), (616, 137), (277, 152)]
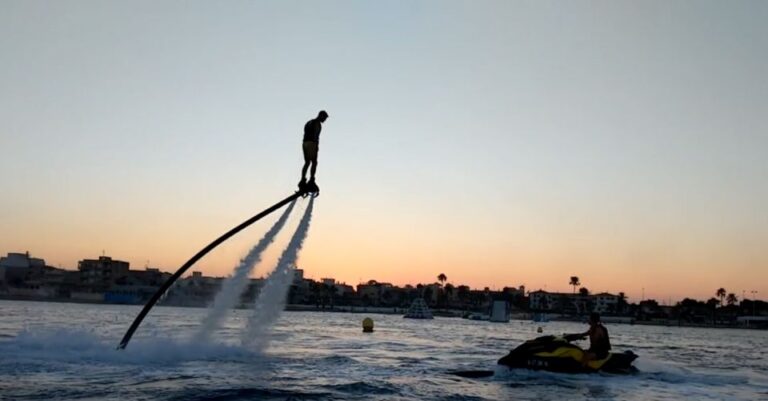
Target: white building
[(605, 303), (553, 301), (20, 260), (542, 300), (19, 267)]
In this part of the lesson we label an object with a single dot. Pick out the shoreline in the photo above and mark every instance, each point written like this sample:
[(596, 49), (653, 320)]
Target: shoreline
[(390, 310)]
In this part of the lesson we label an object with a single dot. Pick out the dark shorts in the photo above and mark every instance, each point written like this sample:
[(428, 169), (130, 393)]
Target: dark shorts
[(310, 151), (599, 353)]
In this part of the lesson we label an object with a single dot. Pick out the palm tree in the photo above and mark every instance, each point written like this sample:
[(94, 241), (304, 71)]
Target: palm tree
[(575, 283), (721, 294), (731, 299), (712, 303), (442, 278)]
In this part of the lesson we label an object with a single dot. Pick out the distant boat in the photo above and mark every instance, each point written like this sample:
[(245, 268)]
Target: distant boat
[(418, 310), (500, 312)]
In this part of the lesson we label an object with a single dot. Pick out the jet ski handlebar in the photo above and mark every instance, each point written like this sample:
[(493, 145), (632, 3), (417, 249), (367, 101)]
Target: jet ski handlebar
[(574, 337)]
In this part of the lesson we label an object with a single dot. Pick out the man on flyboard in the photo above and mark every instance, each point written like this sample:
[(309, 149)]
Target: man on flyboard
[(310, 147)]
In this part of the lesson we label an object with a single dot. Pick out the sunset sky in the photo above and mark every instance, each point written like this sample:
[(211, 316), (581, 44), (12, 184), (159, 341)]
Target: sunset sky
[(502, 143)]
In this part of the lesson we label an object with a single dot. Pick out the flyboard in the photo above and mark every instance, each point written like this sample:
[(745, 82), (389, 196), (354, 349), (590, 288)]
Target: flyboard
[(308, 189)]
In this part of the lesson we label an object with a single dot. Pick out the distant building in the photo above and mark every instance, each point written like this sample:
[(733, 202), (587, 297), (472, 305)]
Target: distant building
[(759, 322), (542, 300), (514, 292), (195, 290), (554, 302), (344, 290), (150, 276), (605, 303), (563, 302), (22, 260), (339, 289), (136, 287), (25, 277), (298, 275), (102, 273), (375, 293), (18, 268), (328, 281), (248, 297)]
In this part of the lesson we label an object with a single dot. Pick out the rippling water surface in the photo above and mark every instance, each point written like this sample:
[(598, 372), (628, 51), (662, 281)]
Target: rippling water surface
[(67, 351)]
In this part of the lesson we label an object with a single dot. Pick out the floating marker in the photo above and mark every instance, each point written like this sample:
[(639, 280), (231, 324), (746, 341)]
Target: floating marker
[(367, 325)]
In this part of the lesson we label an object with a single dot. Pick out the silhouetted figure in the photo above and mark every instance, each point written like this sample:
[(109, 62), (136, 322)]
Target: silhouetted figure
[(310, 146), (599, 343)]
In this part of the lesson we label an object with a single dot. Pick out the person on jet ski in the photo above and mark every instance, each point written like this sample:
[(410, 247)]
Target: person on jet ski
[(599, 342)]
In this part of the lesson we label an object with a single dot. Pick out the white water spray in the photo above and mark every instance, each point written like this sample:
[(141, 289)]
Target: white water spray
[(233, 287), (271, 300)]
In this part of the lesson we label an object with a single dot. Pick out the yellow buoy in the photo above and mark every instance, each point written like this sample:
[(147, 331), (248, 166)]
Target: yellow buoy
[(367, 325)]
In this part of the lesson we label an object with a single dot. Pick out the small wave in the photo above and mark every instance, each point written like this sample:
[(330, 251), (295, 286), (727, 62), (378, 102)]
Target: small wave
[(669, 373), (247, 394), (80, 345), (459, 397), (407, 361), (162, 379), (696, 378), (367, 388), (337, 360)]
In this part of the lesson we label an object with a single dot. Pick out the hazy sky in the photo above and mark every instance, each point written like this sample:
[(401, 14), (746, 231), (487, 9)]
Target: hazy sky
[(500, 143)]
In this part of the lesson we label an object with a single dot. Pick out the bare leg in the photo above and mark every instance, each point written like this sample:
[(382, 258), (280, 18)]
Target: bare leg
[(304, 169), (312, 171)]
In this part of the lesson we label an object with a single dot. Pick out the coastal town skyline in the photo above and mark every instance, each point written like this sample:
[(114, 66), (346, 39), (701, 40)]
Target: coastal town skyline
[(110, 281), (574, 285), (497, 142)]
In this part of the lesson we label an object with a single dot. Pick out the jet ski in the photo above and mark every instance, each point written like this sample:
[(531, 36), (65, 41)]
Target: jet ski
[(557, 354)]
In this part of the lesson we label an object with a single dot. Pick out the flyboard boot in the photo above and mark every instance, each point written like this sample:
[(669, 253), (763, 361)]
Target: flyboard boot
[(312, 188)]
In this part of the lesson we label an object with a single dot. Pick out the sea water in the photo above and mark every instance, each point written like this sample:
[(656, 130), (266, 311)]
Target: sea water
[(67, 351)]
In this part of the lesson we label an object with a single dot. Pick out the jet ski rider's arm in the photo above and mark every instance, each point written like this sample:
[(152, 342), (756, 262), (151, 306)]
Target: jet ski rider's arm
[(575, 336)]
